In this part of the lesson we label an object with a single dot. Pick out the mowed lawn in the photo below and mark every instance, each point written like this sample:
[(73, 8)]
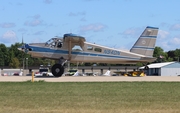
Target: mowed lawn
[(90, 97)]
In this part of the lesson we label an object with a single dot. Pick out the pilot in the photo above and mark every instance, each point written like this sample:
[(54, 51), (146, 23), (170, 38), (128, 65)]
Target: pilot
[(60, 44)]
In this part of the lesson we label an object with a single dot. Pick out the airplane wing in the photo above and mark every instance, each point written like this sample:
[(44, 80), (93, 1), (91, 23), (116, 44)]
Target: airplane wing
[(71, 40)]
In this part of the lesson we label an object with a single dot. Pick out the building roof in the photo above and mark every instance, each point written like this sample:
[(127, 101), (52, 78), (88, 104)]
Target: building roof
[(158, 65)]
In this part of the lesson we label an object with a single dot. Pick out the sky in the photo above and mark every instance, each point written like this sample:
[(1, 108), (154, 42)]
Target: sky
[(113, 23)]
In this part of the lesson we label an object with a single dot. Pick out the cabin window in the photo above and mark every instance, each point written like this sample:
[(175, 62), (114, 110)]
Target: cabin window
[(76, 48), (97, 49), (89, 48)]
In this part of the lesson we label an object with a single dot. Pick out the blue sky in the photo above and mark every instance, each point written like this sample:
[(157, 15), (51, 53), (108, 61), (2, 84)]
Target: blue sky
[(113, 23)]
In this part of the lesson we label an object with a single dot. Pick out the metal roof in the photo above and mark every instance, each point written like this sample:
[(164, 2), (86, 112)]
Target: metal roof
[(158, 65)]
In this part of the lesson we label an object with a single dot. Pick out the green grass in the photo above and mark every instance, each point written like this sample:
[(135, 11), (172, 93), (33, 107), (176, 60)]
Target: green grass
[(90, 97)]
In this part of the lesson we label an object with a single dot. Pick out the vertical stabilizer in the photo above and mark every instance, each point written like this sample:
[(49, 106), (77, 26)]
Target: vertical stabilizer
[(146, 43)]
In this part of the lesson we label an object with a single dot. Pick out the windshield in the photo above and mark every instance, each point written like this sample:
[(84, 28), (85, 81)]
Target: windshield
[(54, 42)]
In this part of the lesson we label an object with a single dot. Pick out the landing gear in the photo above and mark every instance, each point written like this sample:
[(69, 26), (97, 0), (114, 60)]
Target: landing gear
[(57, 70)]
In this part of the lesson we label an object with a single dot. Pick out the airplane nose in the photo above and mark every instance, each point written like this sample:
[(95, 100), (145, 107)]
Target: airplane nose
[(21, 48), (24, 48)]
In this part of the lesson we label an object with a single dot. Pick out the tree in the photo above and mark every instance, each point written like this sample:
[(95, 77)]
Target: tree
[(14, 63), (177, 54), (160, 54), (4, 57)]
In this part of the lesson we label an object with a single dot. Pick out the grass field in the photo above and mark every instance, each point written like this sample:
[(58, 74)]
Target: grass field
[(90, 97)]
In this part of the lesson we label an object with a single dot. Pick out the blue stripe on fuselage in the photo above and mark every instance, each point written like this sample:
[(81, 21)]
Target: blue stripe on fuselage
[(83, 53)]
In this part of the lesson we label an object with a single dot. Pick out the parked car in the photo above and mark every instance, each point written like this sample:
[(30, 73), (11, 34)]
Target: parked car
[(71, 72), (18, 74), (43, 72)]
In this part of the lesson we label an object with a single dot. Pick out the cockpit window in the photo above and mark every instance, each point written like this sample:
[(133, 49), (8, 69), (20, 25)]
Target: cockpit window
[(54, 42), (59, 44), (50, 41)]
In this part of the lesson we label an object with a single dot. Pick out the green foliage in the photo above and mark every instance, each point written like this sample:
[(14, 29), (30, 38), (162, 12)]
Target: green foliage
[(3, 55), (14, 63), (11, 56), (160, 55)]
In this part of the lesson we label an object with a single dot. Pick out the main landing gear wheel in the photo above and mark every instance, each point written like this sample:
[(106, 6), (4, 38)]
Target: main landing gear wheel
[(57, 70)]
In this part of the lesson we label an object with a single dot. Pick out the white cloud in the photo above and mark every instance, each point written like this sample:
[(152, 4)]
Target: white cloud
[(33, 23), (92, 27), (22, 30), (164, 45), (7, 25), (130, 31), (36, 16), (9, 37), (77, 14), (162, 34), (47, 1), (39, 33), (175, 27), (175, 40), (83, 19)]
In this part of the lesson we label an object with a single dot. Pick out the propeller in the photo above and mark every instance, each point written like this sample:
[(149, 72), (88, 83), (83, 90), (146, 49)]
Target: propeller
[(25, 48)]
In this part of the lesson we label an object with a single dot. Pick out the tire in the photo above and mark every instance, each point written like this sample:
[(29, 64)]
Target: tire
[(57, 70)]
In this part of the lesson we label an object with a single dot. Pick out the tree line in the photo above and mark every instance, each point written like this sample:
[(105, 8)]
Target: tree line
[(13, 58)]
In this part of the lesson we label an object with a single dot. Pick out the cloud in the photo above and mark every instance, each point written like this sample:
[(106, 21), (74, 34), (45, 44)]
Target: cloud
[(170, 43), (162, 34), (92, 27), (9, 37), (36, 16), (131, 33), (34, 22), (164, 45), (22, 30), (48, 1), (83, 19), (77, 14), (175, 40), (7, 25), (175, 27), (90, 0), (164, 24), (39, 33)]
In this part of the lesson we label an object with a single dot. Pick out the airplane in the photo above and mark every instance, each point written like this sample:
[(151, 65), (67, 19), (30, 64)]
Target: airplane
[(74, 49)]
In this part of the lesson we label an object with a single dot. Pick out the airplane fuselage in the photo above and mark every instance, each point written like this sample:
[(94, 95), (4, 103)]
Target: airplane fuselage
[(100, 54)]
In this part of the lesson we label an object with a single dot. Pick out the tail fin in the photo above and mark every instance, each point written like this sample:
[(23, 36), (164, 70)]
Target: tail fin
[(146, 43)]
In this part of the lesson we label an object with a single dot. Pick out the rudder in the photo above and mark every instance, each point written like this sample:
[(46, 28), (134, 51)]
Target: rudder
[(146, 43)]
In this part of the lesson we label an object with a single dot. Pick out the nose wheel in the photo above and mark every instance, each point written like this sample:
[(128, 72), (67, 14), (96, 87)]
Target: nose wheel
[(57, 70)]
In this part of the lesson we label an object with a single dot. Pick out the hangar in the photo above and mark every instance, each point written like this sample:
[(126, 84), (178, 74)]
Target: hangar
[(163, 69)]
